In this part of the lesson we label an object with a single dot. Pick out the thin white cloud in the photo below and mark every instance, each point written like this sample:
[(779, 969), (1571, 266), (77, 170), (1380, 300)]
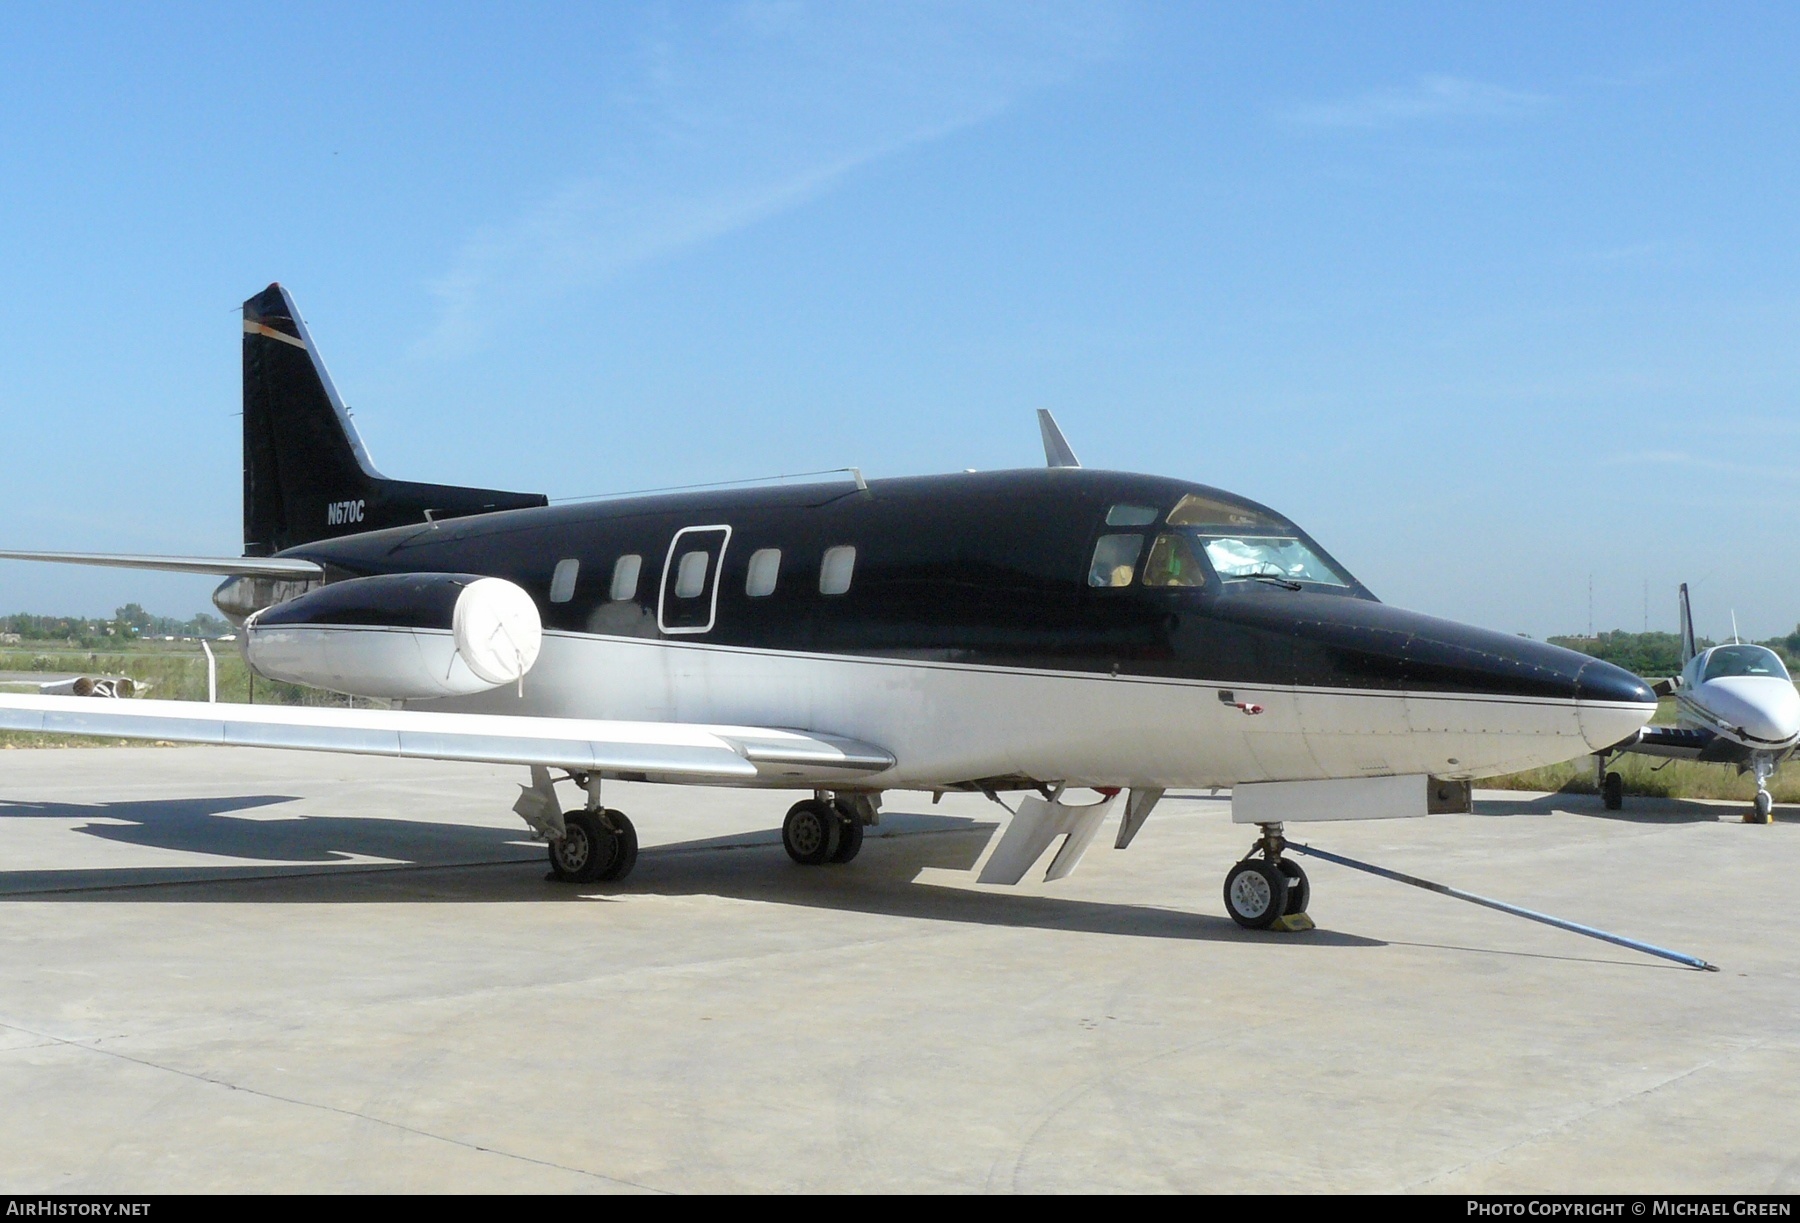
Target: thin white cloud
[(1707, 462), (737, 114), (1432, 99)]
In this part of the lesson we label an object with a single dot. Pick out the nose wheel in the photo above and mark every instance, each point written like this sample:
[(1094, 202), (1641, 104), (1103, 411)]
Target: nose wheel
[(1763, 812), (1260, 891)]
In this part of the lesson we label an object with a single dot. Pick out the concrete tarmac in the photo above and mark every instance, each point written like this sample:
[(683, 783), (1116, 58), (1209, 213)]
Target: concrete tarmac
[(240, 970)]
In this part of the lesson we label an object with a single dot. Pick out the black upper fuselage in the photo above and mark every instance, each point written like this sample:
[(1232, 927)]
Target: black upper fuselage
[(992, 569)]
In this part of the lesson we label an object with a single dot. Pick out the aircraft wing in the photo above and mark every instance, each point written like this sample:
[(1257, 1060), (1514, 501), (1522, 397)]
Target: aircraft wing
[(276, 567), (662, 751)]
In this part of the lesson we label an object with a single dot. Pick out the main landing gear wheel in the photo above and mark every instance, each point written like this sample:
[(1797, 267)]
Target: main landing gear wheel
[(1256, 893), (594, 847), (813, 832), (851, 833), (1299, 893), (1612, 792)]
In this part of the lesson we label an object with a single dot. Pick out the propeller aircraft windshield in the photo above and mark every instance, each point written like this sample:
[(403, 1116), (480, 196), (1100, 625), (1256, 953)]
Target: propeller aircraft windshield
[(1034, 631)]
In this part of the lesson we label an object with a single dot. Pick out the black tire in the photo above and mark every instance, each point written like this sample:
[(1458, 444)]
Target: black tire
[(812, 832), (850, 836), (586, 850), (625, 837), (1299, 886), (1764, 807), (1612, 792), (1256, 894)]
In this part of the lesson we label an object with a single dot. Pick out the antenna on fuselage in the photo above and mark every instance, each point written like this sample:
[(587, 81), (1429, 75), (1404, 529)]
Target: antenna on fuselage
[(1057, 452), (1734, 632)]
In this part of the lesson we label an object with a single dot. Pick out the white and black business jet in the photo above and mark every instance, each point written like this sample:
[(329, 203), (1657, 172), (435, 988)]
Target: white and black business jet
[(1734, 704), (1035, 631)]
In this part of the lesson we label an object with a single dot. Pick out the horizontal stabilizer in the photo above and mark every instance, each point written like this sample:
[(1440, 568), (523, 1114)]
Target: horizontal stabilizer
[(659, 750), (280, 568)]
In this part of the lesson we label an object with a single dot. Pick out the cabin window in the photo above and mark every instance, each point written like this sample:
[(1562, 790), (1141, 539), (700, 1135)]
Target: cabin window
[(562, 582), (834, 573), (765, 567), (690, 574), (1131, 515), (625, 577), (1173, 563), (1115, 559)]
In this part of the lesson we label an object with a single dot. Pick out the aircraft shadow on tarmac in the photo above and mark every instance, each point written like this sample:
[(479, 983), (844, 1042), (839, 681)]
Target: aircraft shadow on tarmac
[(314, 860)]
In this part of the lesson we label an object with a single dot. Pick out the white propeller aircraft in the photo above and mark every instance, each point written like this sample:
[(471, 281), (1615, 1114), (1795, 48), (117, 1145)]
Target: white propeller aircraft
[(1735, 704)]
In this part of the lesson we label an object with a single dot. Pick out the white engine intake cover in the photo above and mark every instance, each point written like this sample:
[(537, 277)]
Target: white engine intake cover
[(497, 630)]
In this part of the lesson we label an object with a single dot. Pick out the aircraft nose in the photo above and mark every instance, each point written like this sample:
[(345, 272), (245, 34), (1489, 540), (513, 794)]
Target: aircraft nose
[(1765, 709), (1612, 703)]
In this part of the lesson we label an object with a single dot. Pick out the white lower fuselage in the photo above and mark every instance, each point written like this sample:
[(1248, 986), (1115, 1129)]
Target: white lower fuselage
[(948, 723)]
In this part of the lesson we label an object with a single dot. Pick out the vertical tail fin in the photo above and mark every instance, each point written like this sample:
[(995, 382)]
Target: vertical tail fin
[(1687, 628), (307, 475)]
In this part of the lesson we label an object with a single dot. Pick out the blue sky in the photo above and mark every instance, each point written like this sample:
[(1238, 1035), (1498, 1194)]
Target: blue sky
[(1490, 299)]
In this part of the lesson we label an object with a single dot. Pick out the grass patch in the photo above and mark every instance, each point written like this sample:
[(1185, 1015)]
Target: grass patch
[(174, 670), (1647, 776)]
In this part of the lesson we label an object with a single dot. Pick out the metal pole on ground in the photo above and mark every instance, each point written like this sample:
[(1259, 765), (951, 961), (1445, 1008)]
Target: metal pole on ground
[(1502, 906)]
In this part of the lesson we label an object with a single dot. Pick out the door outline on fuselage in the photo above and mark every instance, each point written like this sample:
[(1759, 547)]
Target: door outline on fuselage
[(716, 567)]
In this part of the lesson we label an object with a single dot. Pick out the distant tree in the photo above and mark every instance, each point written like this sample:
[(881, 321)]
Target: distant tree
[(1650, 654), (131, 620)]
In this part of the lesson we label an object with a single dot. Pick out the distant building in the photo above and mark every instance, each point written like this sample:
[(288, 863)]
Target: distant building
[(10, 639)]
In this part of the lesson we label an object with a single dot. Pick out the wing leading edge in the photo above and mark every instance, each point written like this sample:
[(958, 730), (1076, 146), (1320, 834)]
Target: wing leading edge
[(742, 755)]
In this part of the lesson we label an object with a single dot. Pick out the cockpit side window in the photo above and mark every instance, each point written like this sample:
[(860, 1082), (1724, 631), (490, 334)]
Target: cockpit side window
[(1115, 560), (1195, 510), (1131, 515), (1728, 660), (1173, 563)]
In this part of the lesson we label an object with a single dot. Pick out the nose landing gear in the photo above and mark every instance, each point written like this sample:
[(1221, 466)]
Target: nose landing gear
[(1259, 892), (1763, 811)]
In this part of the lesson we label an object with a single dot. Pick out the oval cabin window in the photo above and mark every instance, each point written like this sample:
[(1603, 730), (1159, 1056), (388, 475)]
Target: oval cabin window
[(834, 573), (562, 582), (765, 567), (690, 575), (625, 577)]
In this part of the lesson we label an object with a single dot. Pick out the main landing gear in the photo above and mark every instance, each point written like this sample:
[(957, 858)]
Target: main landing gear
[(1610, 785), (595, 847), (826, 828), (593, 844), (1261, 891)]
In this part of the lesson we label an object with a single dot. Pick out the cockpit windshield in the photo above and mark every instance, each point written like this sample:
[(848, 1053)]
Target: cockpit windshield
[(1244, 544), (1729, 660), (1242, 557)]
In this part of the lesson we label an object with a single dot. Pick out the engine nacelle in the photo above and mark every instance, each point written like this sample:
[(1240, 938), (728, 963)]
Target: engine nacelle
[(399, 636)]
